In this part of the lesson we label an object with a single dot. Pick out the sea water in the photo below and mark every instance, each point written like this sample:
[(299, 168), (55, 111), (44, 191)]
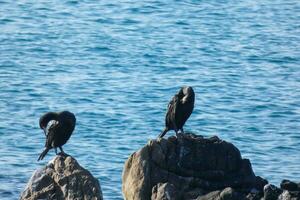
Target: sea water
[(116, 65)]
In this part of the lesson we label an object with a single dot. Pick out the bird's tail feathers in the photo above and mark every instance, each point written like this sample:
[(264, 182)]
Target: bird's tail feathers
[(163, 133), (43, 154)]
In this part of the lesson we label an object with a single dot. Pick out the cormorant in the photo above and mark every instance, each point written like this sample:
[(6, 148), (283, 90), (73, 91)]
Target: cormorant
[(179, 110), (58, 128)]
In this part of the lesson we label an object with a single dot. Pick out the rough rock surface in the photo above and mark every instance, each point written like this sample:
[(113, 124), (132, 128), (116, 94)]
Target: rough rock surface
[(190, 167), (271, 192), (288, 191), (291, 190), (62, 178)]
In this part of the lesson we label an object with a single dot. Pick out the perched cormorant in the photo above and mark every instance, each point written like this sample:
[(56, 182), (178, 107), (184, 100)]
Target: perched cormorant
[(179, 110), (58, 128)]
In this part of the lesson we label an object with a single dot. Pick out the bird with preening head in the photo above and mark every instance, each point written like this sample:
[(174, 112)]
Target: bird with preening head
[(58, 128)]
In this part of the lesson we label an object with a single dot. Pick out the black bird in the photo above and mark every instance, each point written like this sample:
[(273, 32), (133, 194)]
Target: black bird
[(179, 110), (58, 128)]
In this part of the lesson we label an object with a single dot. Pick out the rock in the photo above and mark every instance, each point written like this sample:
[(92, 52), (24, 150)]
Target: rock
[(291, 190), (164, 191), (289, 185), (190, 165), (62, 178), (226, 194), (194, 193), (271, 192), (289, 195), (285, 196), (254, 196)]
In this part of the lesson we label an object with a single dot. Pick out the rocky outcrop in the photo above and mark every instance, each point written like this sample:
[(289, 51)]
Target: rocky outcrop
[(62, 178), (190, 167)]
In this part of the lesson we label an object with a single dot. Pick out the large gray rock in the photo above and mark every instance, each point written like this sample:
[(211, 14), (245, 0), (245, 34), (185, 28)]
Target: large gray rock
[(62, 178), (189, 166)]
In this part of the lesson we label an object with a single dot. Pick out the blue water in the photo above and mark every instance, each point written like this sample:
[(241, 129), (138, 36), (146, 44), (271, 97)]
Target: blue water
[(117, 64)]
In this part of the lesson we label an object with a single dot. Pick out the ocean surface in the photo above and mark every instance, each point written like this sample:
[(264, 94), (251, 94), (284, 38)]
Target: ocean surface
[(116, 65)]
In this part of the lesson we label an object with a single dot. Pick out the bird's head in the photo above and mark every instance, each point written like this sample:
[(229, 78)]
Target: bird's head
[(187, 94), (46, 118)]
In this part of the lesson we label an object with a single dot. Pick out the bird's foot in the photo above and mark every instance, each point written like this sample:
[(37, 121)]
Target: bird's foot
[(62, 153), (179, 135)]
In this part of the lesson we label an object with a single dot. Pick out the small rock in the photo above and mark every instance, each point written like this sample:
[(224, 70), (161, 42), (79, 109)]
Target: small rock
[(62, 178), (230, 194), (289, 185), (285, 196), (215, 195), (271, 192), (253, 196), (194, 193), (226, 194), (164, 191), (289, 195)]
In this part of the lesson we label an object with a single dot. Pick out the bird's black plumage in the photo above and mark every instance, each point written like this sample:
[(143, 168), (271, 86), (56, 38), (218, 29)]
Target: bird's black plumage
[(58, 128), (179, 110)]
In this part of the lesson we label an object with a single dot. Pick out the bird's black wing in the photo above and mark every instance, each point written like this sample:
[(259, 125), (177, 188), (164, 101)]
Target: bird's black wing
[(170, 116), (171, 113)]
